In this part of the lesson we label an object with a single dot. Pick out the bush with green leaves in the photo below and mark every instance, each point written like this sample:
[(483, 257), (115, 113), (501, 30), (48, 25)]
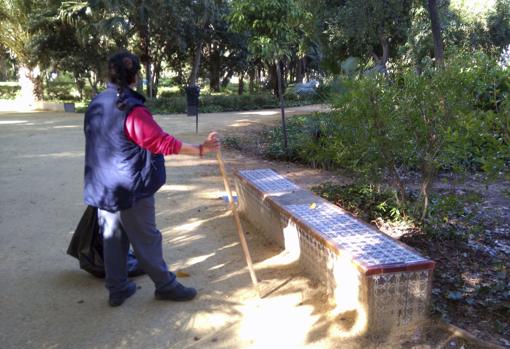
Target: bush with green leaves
[(9, 91), (451, 214), (310, 141), (221, 103), (60, 91), (382, 127), (428, 122), (367, 201)]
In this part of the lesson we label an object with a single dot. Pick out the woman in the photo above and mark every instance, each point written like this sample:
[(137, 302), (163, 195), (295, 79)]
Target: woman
[(124, 167)]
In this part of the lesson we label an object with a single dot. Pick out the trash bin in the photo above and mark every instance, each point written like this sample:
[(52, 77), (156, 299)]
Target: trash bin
[(69, 108), (192, 94)]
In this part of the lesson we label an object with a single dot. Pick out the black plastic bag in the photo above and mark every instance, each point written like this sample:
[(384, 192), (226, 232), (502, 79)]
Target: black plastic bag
[(87, 246)]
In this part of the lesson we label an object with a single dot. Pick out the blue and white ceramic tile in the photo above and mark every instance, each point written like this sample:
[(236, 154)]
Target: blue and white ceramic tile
[(269, 181), (365, 245)]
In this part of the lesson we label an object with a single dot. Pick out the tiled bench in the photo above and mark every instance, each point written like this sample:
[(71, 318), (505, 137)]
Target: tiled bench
[(387, 283)]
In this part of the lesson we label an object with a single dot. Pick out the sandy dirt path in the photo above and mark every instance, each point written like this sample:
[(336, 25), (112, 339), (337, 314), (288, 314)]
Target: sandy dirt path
[(47, 302)]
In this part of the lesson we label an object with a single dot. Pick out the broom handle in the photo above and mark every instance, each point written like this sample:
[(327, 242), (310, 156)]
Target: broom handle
[(238, 223)]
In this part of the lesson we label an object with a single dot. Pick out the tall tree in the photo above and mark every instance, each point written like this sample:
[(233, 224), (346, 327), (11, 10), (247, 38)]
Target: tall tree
[(70, 37), (273, 28), (15, 36), (227, 51), (498, 23), (366, 29), (436, 32)]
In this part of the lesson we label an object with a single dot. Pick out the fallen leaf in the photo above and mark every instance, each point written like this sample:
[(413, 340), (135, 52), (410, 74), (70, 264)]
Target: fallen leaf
[(181, 274)]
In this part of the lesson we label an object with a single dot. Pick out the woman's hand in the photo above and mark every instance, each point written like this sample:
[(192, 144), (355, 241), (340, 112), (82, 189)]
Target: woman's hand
[(211, 144)]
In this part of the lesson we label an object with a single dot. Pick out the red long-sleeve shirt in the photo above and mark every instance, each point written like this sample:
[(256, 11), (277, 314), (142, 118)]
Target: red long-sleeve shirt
[(141, 128)]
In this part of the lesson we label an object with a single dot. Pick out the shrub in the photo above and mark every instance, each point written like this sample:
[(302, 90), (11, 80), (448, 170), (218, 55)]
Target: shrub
[(61, 91), (168, 105), (310, 141), (219, 103), (428, 122), (451, 215), (365, 200), (384, 126), (9, 91)]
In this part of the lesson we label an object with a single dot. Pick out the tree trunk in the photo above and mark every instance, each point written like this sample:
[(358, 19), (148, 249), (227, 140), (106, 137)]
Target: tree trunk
[(155, 76), (251, 74), (145, 58), (196, 64), (285, 73), (282, 108), (214, 69), (240, 89), (381, 62), (30, 83), (436, 32), (226, 79), (92, 83), (273, 79), (80, 85), (299, 71)]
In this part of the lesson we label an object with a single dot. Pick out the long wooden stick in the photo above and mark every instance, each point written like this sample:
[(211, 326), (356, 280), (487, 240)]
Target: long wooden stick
[(240, 230)]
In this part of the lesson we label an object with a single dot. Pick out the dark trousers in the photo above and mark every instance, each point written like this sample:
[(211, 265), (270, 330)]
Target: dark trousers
[(136, 225)]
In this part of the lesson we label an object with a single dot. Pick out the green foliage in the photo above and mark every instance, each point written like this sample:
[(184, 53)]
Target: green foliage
[(231, 142), (167, 105), (498, 23), (426, 122), (273, 26), (370, 30), (9, 91), (309, 141), (221, 103), (382, 127), (367, 201), (450, 217), (60, 91)]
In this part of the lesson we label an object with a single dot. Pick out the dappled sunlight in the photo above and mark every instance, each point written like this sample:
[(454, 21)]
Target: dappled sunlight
[(190, 161), (278, 322), (12, 122), (218, 266), (76, 154), (240, 272), (261, 112), (209, 320), (175, 240), (198, 259), (212, 194), (176, 187), (242, 123), (67, 126), (228, 246), (348, 296), (290, 255), (191, 225)]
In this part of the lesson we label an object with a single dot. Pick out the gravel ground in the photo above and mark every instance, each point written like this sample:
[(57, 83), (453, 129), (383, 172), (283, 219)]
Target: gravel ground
[(47, 302)]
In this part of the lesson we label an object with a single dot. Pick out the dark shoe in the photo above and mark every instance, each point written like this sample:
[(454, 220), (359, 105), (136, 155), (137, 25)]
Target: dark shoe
[(118, 298), (178, 293)]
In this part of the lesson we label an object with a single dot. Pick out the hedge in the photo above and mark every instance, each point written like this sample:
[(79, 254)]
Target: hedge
[(219, 103), (9, 91)]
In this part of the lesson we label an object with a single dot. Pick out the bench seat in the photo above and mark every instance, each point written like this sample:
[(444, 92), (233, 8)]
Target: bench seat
[(386, 282)]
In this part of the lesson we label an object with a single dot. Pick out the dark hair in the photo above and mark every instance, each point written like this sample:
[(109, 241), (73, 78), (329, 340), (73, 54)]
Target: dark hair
[(123, 67)]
